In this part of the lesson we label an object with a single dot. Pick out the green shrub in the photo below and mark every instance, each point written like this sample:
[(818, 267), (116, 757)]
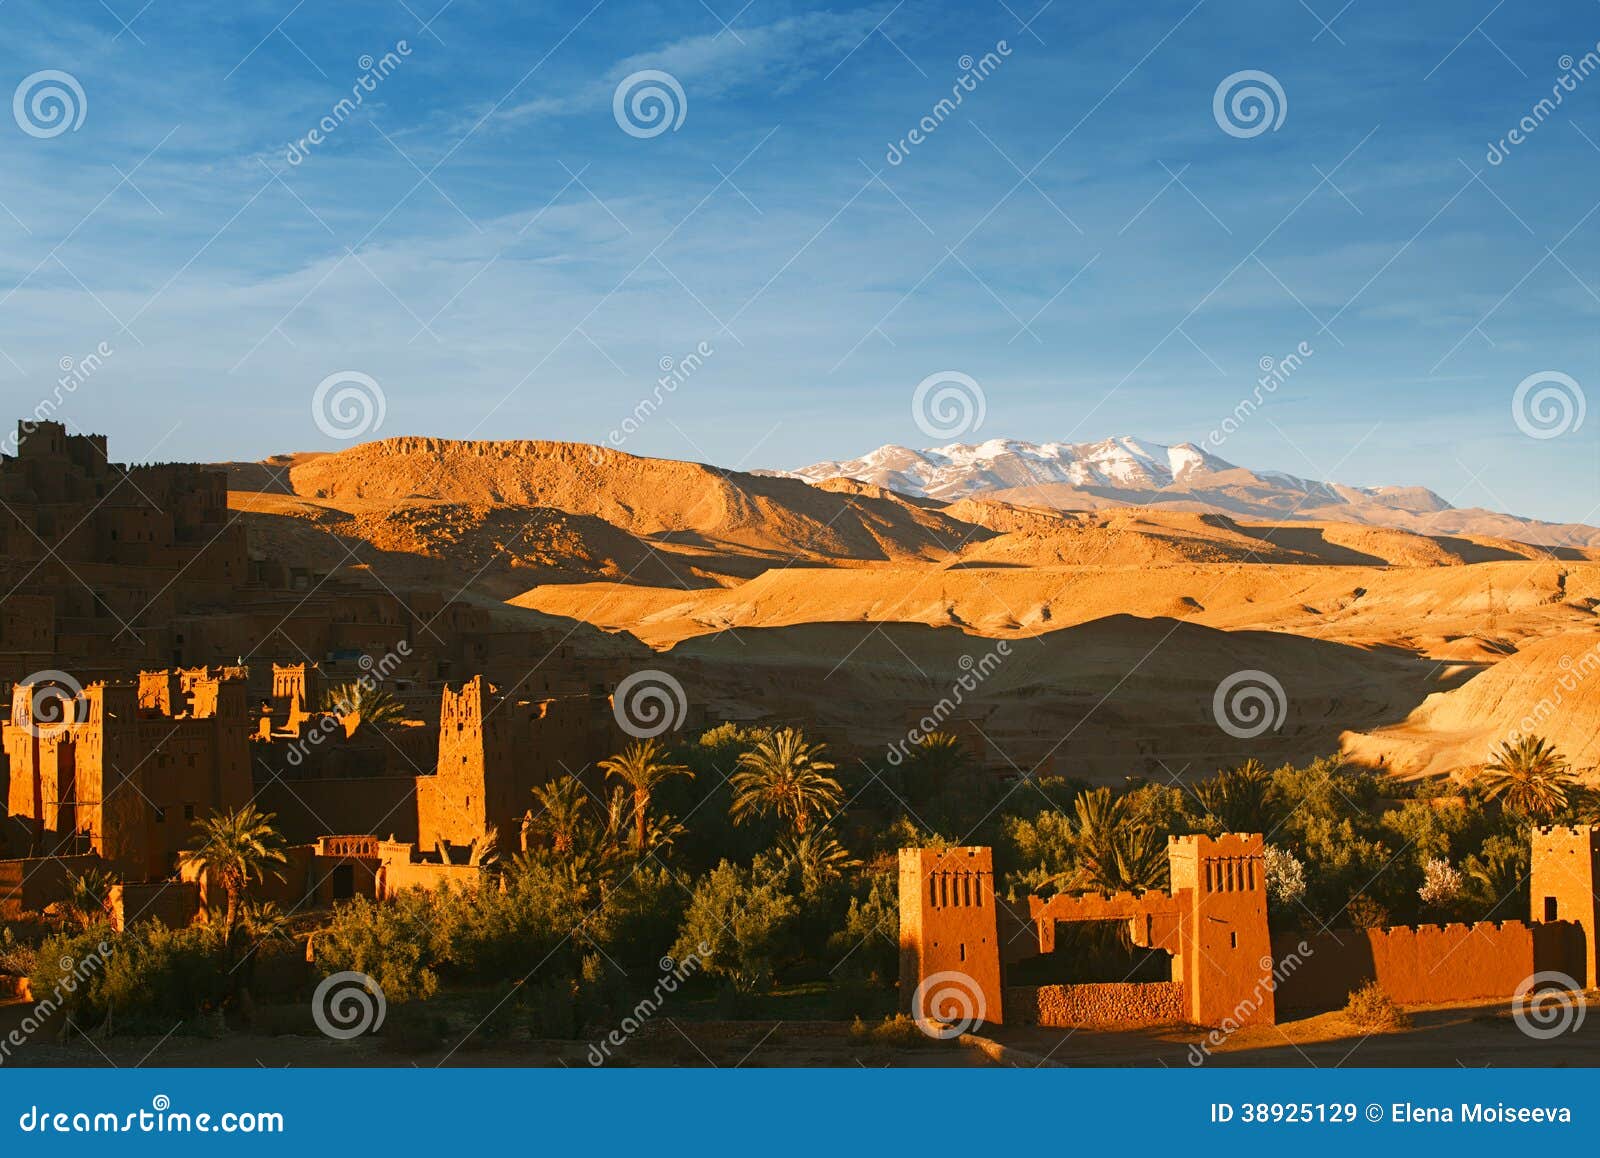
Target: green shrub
[(739, 925), (896, 1031), (390, 942), (1371, 1010), (146, 979)]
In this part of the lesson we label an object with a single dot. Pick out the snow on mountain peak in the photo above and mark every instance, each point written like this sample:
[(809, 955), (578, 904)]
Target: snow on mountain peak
[(1107, 470)]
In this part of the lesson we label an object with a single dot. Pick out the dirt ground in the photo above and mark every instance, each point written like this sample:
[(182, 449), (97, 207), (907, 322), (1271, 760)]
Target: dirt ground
[(1472, 1036)]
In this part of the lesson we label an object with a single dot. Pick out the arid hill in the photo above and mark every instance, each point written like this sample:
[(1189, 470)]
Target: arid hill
[(850, 605), (1550, 688)]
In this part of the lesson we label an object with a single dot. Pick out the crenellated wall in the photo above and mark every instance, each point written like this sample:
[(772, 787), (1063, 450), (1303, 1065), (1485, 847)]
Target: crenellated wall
[(1424, 964)]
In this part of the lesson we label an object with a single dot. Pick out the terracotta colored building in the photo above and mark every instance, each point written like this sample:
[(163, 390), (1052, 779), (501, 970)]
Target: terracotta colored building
[(1227, 970)]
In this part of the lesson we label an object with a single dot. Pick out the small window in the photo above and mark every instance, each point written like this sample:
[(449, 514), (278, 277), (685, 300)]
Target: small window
[(963, 950), (1233, 940), (1550, 908)]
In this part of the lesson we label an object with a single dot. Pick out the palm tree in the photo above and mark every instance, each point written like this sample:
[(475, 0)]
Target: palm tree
[(1529, 776), (366, 701), (89, 895), (1134, 860), (942, 755), (784, 776), (816, 859), (642, 767), (234, 849), (1100, 817), (1241, 798), (562, 804)]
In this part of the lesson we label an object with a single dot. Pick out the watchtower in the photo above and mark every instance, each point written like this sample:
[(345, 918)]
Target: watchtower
[(949, 935), (1224, 956), (1562, 884)]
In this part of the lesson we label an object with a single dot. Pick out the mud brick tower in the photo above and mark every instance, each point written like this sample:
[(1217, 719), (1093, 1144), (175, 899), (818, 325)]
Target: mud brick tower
[(1563, 885), (949, 930), (1224, 952)]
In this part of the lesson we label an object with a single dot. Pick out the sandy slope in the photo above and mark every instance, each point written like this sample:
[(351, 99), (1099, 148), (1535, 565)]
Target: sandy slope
[(850, 608), (1549, 688)]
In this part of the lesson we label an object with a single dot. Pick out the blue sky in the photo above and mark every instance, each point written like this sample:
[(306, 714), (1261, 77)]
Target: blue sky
[(1081, 237)]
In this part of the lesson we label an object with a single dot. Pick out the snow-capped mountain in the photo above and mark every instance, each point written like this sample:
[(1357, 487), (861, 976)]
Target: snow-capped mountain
[(1133, 472), (961, 470)]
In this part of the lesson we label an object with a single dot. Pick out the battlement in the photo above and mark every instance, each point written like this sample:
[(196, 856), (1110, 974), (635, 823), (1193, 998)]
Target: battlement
[(1224, 844), (1101, 906)]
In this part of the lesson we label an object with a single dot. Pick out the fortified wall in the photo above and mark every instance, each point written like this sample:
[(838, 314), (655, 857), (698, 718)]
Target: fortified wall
[(1226, 967)]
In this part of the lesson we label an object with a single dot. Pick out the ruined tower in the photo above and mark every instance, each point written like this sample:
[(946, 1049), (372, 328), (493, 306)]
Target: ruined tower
[(949, 939), (1562, 884)]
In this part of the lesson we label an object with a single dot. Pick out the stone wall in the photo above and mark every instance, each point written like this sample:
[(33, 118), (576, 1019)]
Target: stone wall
[(1424, 964), (31, 884), (379, 806), (1130, 1003), (173, 903)]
